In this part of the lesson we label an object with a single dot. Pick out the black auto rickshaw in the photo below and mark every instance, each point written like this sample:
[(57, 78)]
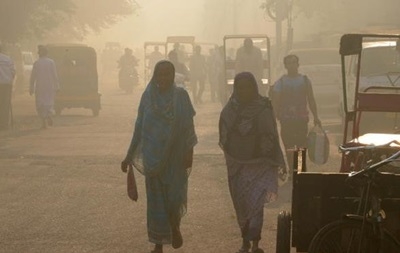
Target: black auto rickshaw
[(77, 73)]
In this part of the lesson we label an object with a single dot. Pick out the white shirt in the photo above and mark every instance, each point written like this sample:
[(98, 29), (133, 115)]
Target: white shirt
[(7, 69)]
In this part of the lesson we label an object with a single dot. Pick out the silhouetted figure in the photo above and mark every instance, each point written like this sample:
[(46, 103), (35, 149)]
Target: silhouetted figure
[(249, 58), (212, 73), (249, 138), (7, 75), (44, 84), (127, 76), (198, 73), (181, 71), (162, 150), (155, 57), (292, 95)]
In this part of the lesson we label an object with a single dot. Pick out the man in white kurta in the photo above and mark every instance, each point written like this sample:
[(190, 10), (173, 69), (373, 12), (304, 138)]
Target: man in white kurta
[(44, 84)]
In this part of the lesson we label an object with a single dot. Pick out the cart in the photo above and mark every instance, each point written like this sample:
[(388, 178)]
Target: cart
[(77, 72), (259, 67), (321, 198)]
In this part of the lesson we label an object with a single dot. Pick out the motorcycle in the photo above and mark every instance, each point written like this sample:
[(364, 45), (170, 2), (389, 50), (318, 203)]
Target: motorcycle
[(128, 78)]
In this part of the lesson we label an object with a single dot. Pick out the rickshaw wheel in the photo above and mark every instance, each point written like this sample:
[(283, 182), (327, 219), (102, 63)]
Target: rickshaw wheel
[(283, 232)]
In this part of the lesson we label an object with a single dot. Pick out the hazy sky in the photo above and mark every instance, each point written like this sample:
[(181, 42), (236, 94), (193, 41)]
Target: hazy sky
[(158, 19)]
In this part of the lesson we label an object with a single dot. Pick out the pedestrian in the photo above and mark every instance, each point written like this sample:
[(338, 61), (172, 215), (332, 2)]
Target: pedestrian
[(155, 57), (292, 95), (198, 73), (44, 84), (7, 75), (127, 75), (249, 138), (181, 71), (222, 91), (249, 58), (162, 150), (212, 73)]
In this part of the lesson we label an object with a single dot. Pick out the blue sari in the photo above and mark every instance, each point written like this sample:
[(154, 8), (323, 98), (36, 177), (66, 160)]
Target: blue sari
[(164, 134)]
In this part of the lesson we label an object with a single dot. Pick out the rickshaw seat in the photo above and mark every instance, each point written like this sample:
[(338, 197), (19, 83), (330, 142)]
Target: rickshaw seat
[(378, 102)]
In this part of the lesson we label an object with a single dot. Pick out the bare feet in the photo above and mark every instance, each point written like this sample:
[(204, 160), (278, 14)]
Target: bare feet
[(158, 248), (255, 248), (245, 247)]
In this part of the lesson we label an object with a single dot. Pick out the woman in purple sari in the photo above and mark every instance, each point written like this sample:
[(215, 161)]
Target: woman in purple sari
[(250, 141), (162, 150)]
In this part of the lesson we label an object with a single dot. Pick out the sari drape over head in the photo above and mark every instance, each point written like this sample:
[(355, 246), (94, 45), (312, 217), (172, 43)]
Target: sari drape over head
[(163, 136), (253, 164)]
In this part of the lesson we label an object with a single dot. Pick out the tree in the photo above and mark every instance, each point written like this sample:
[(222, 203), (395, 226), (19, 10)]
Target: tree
[(26, 18), (87, 19), (342, 16), (29, 19)]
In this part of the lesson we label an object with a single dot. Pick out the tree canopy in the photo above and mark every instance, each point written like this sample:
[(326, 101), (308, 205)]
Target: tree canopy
[(31, 19)]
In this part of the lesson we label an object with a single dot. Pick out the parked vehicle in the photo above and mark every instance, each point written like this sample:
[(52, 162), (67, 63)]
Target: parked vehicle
[(379, 72), (77, 72)]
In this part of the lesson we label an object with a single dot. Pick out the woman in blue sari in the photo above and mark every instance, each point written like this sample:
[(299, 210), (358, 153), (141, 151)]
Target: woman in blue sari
[(162, 150), (250, 141)]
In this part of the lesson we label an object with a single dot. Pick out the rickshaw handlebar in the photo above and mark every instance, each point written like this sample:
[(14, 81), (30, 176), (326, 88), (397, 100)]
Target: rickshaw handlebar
[(375, 166), (367, 147)]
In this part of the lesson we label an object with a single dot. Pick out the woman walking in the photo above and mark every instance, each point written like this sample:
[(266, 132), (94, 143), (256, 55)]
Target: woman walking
[(249, 139), (162, 150)]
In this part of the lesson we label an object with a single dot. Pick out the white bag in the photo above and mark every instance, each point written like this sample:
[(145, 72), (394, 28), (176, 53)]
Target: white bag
[(318, 145)]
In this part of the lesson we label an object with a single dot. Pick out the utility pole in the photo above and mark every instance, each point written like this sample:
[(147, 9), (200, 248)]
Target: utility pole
[(235, 16), (281, 14)]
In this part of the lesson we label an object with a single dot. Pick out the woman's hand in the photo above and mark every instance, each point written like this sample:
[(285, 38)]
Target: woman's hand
[(124, 164)]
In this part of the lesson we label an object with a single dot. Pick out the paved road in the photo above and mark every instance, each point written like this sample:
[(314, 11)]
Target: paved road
[(61, 189)]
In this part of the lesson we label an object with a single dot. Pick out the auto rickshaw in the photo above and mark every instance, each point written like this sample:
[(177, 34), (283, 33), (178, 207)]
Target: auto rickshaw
[(148, 68), (77, 72), (260, 66), (320, 200)]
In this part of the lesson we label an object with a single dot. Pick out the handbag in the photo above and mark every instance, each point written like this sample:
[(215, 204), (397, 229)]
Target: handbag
[(318, 145), (131, 184)]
